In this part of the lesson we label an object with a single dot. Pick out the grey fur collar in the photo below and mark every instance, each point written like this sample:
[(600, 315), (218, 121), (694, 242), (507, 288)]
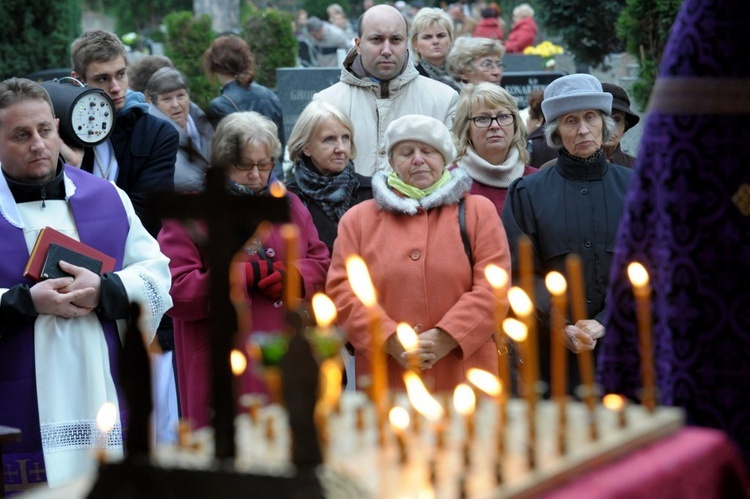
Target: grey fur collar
[(450, 193)]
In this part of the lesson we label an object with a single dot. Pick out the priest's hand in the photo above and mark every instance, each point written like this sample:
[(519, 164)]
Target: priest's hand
[(583, 335), (83, 279), (49, 298)]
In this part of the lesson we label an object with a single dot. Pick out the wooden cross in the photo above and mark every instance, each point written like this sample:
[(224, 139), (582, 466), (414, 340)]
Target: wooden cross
[(230, 220)]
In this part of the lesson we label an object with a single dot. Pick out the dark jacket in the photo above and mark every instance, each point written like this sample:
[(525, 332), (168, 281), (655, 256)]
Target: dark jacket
[(328, 228), (620, 157), (538, 149), (146, 150)]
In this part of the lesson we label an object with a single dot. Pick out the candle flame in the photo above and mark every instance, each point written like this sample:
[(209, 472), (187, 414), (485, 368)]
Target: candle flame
[(516, 329), (520, 302), (487, 382), (238, 361), (464, 399), (420, 398), (556, 283), (106, 417), (638, 275), (277, 189), (407, 336), (324, 310), (497, 277), (359, 280), (399, 418), (614, 402)]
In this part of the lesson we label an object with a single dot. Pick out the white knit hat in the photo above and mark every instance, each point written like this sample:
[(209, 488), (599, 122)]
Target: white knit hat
[(424, 129), (575, 92)]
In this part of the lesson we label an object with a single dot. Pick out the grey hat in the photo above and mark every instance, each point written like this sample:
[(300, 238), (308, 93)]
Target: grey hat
[(576, 92), (314, 24), (421, 128)]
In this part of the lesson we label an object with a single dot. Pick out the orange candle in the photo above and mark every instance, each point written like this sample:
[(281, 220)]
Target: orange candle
[(410, 341), (585, 359), (557, 287), (642, 290), (292, 293), (498, 279)]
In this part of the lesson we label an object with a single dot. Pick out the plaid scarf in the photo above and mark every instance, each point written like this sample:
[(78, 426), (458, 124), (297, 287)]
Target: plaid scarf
[(333, 194)]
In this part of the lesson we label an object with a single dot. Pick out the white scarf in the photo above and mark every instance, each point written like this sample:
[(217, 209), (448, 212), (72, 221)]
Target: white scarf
[(493, 175)]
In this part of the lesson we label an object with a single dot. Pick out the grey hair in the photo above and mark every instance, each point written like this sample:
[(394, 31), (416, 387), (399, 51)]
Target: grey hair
[(315, 113), (240, 128), (163, 81), (466, 50), (424, 19), (554, 140)]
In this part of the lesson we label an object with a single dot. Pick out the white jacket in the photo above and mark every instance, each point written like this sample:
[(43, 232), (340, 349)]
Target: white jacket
[(372, 105)]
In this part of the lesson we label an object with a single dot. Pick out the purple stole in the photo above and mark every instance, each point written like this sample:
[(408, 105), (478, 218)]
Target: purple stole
[(101, 221)]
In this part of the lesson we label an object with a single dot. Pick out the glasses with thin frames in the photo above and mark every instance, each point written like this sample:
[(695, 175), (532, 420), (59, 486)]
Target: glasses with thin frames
[(486, 121), (489, 65), (262, 167)]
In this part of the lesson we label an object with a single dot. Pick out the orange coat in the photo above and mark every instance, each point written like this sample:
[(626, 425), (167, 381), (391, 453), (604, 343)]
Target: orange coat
[(422, 275)]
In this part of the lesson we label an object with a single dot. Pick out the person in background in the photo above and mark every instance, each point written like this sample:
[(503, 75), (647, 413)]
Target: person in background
[(321, 146), (300, 24), (337, 16), (625, 119), (140, 154), (489, 26), (540, 153), (327, 39), (230, 61), (473, 60), (523, 31), (431, 40), (572, 207), (169, 96), (463, 24), (378, 84), (410, 237), (490, 141), (60, 342), (140, 70), (244, 146)]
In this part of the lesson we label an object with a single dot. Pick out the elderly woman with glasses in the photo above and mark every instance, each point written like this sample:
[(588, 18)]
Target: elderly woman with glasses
[(473, 60), (244, 146), (490, 140), (426, 265)]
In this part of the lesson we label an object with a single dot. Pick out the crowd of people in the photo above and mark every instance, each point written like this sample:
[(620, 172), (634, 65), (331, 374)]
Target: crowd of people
[(417, 160)]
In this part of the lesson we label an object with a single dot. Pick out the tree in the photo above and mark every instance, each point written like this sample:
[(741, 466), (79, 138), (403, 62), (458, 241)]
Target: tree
[(587, 28), (225, 14), (271, 38), (37, 35), (645, 25)]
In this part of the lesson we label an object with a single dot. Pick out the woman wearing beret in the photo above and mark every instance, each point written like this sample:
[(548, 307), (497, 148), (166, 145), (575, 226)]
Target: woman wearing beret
[(574, 206), (410, 237), (244, 146)]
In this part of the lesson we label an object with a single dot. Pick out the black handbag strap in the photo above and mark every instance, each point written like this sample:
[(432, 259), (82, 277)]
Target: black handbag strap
[(464, 234)]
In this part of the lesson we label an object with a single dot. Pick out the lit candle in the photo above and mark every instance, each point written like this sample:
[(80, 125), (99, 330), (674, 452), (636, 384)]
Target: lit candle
[(498, 279), (524, 308), (557, 287), (585, 359), (361, 284), (464, 402), (425, 404), (410, 341), (492, 386), (399, 418), (292, 293), (616, 403), (106, 418), (642, 290)]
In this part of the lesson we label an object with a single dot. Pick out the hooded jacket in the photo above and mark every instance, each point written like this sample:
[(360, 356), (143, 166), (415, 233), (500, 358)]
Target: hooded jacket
[(373, 104)]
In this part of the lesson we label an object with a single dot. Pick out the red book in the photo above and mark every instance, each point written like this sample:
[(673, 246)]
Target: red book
[(57, 246)]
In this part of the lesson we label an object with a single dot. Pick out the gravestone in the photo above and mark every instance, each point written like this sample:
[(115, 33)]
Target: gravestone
[(519, 62), (295, 88), (520, 84)]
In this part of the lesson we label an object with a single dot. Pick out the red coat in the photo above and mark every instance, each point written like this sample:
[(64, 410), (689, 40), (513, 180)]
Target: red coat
[(489, 28), (422, 275), (191, 312), (522, 35)]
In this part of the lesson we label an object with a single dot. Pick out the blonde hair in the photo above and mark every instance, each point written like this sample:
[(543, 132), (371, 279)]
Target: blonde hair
[(466, 50), (315, 113), (236, 130), (424, 19)]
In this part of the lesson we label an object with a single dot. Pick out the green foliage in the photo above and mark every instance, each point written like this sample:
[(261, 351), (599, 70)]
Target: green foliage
[(645, 24), (318, 7), (271, 38), (143, 17), (187, 39), (587, 28), (37, 35)]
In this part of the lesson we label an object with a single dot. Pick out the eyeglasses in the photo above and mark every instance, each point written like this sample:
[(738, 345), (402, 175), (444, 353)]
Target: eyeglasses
[(486, 121), (263, 166), (489, 65)]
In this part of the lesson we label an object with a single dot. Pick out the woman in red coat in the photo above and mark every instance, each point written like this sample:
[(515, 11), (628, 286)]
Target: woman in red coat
[(245, 145), (410, 237), (524, 30)]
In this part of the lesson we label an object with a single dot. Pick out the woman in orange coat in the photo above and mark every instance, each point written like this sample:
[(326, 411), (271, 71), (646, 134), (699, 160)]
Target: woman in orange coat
[(410, 237)]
